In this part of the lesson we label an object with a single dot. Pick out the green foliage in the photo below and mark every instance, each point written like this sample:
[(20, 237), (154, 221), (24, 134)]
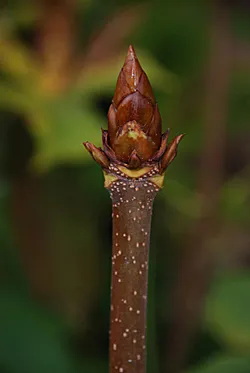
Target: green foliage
[(234, 200), (228, 309), (223, 364), (178, 33), (31, 340)]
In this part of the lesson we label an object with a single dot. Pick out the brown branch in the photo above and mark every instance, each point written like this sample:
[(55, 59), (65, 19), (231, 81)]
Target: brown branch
[(132, 211)]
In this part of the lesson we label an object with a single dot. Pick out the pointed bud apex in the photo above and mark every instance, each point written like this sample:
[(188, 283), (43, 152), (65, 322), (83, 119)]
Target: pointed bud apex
[(171, 153), (98, 155), (134, 102), (128, 78)]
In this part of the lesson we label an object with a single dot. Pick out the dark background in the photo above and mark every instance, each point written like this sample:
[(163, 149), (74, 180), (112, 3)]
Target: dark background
[(59, 61)]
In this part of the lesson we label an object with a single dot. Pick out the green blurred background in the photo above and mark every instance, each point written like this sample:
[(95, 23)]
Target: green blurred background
[(59, 61)]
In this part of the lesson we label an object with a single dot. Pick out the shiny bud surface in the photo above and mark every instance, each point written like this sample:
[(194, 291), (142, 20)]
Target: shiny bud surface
[(134, 137)]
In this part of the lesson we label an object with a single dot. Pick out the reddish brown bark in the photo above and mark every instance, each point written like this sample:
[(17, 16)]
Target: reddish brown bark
[(132, 211)]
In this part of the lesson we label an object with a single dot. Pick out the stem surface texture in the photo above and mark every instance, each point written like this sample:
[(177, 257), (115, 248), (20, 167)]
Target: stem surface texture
[(132, 203)]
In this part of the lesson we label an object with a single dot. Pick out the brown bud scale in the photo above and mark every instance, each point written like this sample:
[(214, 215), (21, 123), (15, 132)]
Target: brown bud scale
[(134, 137)]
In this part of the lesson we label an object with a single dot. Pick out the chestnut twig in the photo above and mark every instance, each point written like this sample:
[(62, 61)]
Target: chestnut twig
[(134, 158)]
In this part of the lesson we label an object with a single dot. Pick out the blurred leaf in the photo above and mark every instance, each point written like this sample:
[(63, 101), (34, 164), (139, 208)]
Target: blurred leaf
[(228, 308), (18, 13), (223, 364), (61, 126), (14, 99), (31, 340), (18, 62)]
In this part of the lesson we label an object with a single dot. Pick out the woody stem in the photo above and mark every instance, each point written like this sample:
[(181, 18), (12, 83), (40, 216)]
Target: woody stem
[(132, 203)]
